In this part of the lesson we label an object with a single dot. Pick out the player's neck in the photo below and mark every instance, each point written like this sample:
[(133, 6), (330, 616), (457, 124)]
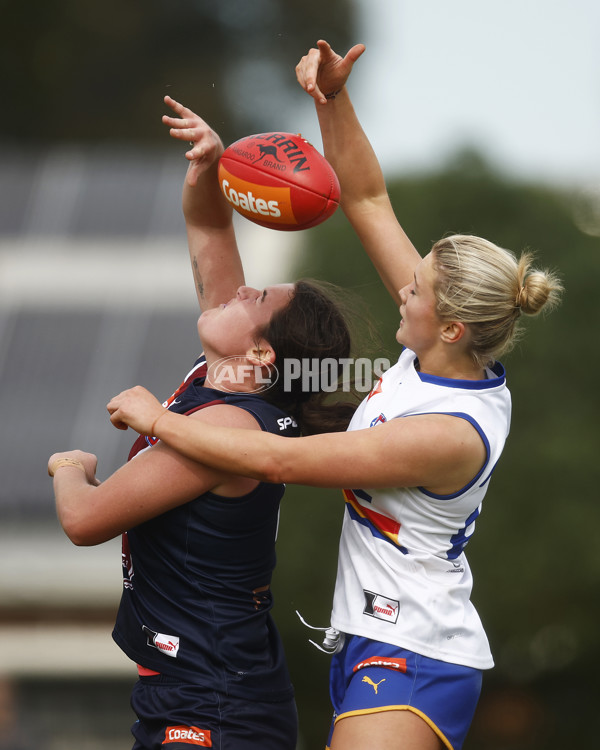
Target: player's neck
[(460, 368)]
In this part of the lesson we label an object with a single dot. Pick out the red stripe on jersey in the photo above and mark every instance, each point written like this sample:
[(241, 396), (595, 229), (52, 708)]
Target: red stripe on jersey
[(376, 390), (385, 525), (199, 371)]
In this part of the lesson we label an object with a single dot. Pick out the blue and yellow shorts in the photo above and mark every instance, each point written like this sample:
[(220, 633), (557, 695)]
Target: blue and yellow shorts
[(369, 676)]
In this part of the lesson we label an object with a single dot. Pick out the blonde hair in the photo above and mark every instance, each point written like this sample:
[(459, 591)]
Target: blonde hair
[(488, 288)]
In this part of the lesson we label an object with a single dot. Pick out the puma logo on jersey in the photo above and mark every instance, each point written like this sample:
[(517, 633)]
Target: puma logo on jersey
[(166, 644), (374, 685), (381, 607)]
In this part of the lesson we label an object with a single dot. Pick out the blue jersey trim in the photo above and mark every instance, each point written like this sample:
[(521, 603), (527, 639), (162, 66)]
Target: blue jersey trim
[(460, 540), (486, 443), (472, 385), (363, 495)]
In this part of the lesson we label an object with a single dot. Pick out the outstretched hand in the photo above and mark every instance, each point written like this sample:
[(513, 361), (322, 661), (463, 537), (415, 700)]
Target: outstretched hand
[(206, 146), (136, 408), (323, 72)]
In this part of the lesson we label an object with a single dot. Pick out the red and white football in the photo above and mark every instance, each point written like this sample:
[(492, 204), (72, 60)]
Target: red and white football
[(278, 180)]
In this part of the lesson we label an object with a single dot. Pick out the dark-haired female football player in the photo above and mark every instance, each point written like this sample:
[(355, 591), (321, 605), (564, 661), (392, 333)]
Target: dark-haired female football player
[(199, 543)]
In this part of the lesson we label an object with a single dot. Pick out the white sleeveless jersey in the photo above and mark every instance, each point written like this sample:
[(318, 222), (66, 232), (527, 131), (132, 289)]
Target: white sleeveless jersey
[(403, 577)]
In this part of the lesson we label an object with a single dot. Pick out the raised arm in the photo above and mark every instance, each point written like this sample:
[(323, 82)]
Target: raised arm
[(365, 200), (214, 255)]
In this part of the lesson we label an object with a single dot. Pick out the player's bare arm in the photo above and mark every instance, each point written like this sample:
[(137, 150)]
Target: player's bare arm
[(214, 255), (365, 200), (439, 452), (156, 481)]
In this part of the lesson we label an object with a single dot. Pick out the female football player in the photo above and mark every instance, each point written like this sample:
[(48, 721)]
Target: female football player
[(199, 543), (414, 465)]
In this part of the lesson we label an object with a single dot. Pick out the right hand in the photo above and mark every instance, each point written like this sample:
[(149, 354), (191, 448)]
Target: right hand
[(88, 461), (206, 146), (322, 71), (136, 408)]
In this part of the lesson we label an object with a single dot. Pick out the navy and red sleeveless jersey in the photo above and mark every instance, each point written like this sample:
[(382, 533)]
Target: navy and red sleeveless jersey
[(196, 591)]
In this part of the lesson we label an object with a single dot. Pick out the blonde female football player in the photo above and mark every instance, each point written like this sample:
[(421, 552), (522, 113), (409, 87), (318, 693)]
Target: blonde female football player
[(414, 465)]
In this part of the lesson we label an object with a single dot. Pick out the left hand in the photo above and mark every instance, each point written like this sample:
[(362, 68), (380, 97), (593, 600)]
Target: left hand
[(206, 146), (136, 408)]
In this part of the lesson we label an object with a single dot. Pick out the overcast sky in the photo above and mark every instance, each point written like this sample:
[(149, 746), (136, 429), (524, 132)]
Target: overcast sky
[(518, 78)]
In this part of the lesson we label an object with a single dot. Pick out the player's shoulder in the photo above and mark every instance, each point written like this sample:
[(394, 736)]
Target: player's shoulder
[(226, 415)]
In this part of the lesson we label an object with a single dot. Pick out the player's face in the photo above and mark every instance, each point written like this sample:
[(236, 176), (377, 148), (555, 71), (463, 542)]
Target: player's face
[(419, 325), (230, 328)]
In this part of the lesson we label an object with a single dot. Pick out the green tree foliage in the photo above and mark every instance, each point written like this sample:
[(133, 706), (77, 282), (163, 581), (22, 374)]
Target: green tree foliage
[(534, 555), (85, 72)]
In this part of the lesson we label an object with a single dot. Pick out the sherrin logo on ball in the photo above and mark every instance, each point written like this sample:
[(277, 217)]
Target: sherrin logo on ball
[(279, 180)]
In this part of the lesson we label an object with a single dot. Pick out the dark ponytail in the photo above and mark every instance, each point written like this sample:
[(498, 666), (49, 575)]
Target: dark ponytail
[(312, 328)]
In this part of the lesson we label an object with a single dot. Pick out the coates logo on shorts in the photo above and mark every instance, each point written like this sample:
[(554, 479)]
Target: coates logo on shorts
[(234, 374), (167, 644), (183, 735), (397, 665), (381, 607)]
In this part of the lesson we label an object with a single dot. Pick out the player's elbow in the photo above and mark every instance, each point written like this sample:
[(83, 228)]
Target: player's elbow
[(80, 532), (80, 537)]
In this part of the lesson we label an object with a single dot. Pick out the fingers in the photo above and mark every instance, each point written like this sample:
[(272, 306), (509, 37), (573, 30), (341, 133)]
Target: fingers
[(354, 53), (324, 47), (307, 72), (113, 407), (113, 404), (116, 422), (136, 408), (177, 107), (188, 126), (322, 72), (197, 152), (186, 120), (183, 129), (205, 144)]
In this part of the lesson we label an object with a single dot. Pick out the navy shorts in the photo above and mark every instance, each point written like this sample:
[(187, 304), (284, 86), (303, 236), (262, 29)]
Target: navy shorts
[(369, 676), (177, 716)]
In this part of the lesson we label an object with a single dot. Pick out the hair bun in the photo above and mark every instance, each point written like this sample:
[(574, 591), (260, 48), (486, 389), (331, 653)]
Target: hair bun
[(541, 289)]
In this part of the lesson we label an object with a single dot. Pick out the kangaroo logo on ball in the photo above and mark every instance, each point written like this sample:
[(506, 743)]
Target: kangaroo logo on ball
[(267, 151)]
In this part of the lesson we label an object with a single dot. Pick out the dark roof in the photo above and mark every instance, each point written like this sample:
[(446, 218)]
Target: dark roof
[(58, 370), (61, 362), (103, 192)]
